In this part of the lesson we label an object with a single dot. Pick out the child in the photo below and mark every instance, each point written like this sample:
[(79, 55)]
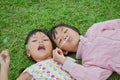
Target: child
[(99, 49), (39, 48), (4, 61)]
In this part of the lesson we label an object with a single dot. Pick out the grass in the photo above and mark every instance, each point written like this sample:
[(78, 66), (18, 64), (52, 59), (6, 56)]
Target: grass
[(18, 17)]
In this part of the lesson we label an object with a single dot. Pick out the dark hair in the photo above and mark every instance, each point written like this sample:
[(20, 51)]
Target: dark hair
[(34, 32), (52, 30), (45, 31)]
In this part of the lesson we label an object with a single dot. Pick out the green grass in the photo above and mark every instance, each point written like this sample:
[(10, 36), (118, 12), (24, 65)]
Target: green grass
[(18, 17)]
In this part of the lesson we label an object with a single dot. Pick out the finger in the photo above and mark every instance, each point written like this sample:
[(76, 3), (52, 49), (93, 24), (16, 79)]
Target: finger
[(65, 52), (54, 53), (6, 52), (56, 48), (5, 55), (2, 52), (60, 51), (1, 57)]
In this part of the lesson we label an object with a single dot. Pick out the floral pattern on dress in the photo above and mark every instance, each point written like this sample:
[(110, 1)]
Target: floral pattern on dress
[(48, 70)]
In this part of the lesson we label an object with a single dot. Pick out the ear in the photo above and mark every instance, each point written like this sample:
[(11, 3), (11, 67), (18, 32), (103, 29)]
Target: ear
[(28, 53), (65, 52)]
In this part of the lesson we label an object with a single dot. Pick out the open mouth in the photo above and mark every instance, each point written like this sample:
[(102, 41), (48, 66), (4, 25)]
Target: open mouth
[(41, 47)]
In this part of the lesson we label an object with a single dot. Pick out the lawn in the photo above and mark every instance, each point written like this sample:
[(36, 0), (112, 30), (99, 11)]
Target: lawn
[(18, 17)]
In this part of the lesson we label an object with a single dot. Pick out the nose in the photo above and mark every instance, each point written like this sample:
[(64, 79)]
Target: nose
[(40, 41), (62, 36)]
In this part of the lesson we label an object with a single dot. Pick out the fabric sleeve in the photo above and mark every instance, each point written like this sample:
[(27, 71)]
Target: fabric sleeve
[(80, 72), (98, 28)]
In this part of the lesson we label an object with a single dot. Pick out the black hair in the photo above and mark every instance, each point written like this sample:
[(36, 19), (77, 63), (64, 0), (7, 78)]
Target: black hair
[(52, 30), (45, 31), (34, 32)]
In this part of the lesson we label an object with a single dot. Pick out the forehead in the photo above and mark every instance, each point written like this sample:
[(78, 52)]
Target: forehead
[(39, 34), (60, 28)]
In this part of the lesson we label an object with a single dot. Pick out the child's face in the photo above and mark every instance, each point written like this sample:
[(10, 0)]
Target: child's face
[(66, 38), (40, 46)]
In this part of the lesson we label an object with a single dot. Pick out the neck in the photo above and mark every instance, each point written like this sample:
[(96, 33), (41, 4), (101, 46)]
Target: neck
[(44, 59), (76, 48)]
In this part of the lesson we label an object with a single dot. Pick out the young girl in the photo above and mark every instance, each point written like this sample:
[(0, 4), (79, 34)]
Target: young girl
[(39, 48), (99, 49)]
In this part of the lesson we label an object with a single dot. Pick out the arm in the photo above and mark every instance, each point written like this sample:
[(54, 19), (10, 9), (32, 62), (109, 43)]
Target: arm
[(98, 28), (81, 72), (24, 76), (3, 73), (78, 71), (4, 60)]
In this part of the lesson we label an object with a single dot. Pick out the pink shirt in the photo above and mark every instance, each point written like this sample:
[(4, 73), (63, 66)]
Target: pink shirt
[(99, 50)]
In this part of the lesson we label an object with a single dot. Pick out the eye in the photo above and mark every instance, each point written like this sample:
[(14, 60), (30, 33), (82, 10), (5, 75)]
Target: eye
[(34, 40), (66, 31), (60, 40), (46, 40)]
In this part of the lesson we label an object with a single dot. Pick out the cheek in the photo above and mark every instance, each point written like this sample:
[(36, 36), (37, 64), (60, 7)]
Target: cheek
[(49, 46), (65, 47), (33, 47), (57, 44)]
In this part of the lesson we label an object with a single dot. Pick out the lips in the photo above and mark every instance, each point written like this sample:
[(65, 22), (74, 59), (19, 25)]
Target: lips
[(41, 47)]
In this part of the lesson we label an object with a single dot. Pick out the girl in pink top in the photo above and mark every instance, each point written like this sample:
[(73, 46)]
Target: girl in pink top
[(99, 49)]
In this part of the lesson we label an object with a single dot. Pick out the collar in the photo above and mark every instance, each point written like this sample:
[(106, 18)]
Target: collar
[(83, 42)]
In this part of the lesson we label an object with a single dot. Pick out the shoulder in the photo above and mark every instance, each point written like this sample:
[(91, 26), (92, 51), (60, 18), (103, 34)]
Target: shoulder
[(25, 76)]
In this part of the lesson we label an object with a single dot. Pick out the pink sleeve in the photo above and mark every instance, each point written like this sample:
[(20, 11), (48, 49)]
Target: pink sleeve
[(80, 72), (97, 28)]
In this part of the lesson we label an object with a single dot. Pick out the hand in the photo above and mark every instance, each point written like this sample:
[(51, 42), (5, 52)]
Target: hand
[(4, 58), (58, 56)]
